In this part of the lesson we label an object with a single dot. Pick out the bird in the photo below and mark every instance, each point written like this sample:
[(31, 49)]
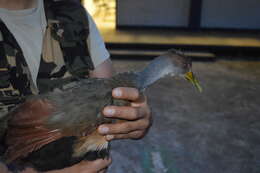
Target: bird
[(58, 129)]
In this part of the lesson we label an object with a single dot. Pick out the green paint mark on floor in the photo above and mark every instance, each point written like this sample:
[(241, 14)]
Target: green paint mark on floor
[(146, 161), (154, 160), (169, 161)]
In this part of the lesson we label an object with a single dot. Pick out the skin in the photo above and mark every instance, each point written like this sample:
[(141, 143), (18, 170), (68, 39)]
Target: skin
[(97, 166), (137, 115)]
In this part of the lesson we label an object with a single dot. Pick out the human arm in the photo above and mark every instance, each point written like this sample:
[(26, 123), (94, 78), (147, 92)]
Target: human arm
[(97, 166)]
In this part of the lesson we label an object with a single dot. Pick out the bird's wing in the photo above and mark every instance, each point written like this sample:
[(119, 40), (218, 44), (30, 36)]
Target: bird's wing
[(26, 131)]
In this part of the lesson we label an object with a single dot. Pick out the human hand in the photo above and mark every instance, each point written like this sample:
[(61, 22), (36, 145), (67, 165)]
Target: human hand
[(97, 166), (137, 116)]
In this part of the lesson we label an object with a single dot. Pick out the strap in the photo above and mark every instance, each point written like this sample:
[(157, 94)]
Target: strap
[(70, 28)]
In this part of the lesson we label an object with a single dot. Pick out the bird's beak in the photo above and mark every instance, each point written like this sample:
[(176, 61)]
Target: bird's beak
[(189, 76)]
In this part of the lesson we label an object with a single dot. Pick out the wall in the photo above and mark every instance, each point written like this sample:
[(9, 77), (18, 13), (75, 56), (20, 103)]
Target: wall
[(152, 12), (231, 14), (239, 14)]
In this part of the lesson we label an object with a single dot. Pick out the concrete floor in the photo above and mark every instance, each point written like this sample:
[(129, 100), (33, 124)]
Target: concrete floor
[(216, 131)]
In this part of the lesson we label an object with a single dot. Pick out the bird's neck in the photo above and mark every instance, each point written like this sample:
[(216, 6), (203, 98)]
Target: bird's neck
[(157, 69)]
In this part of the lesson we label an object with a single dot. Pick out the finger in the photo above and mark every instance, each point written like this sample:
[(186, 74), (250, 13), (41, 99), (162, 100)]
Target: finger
[(124, 112), (126, 93), (123, 127), (103, 171), (27, 170), (132, 135), (141, 101), (97, 165)]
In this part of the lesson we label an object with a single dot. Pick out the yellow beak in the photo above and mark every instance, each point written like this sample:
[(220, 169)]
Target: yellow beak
[(191, 78)]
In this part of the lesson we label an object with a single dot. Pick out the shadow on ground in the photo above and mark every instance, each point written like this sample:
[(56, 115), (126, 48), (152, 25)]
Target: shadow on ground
[(216, 131)]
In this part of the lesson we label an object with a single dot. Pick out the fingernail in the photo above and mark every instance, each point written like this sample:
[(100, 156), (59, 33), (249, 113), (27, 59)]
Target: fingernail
[(103, 129), (109, 112), (117, 93), (109, 137)]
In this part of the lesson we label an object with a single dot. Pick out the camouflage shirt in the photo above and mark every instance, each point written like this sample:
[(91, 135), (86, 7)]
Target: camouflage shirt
[(65, 54)]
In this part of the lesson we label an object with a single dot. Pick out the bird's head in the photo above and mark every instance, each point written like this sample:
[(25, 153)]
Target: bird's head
[(181, 65), (172, 63)]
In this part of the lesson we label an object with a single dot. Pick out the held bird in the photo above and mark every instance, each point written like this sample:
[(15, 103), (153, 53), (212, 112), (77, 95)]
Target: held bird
[(59, 128)]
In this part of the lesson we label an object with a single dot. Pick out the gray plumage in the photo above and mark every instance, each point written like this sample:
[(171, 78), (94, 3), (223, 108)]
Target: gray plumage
[(86, 98)]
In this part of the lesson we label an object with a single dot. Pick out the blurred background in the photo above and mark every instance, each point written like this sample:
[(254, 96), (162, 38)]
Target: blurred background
[(199, 26), (216, 131)]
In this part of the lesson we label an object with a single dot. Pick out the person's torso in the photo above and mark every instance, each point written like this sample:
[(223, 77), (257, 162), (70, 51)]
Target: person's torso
[(63, 52), (28, 27)]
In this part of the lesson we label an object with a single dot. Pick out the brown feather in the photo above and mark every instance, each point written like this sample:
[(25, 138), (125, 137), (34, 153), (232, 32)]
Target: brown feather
[(26, 132), (92, 142)]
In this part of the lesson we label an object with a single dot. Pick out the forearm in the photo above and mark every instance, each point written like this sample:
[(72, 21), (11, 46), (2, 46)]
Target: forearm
[(4, 169), (104, 70)]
